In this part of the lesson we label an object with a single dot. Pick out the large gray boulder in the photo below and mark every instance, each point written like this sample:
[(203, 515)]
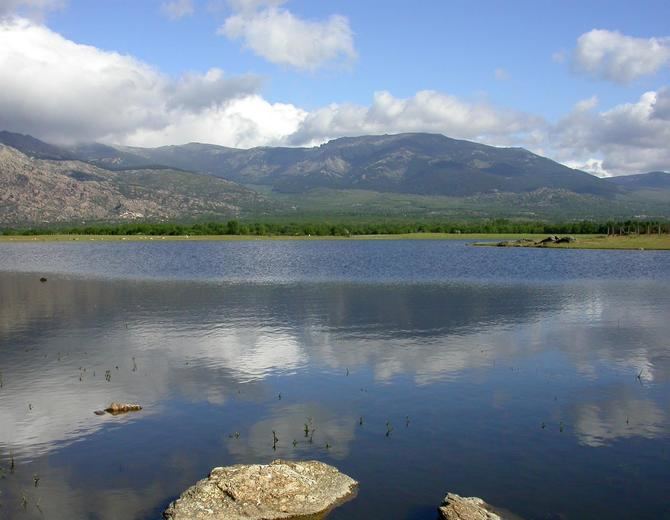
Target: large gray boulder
[(281, 489), (456, 507)]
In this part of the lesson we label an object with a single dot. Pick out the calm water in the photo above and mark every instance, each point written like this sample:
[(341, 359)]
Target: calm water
[(503, 373)]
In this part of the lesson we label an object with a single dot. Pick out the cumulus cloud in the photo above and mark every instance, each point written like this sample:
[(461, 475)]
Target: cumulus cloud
[(427, 111), (629, 138), (591, 165), (276, 34), (661, 109), (62, 91), (177, 9), (199, 91), (244, 123), (613, 56)]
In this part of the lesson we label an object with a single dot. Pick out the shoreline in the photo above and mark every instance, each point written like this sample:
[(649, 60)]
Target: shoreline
[(594, 242), (602, 242), (238, 238)]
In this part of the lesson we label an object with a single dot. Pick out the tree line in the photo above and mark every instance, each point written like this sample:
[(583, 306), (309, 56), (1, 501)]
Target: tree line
[(236, 227)]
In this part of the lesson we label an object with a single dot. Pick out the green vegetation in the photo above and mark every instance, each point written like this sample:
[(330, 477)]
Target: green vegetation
[(346, 229)]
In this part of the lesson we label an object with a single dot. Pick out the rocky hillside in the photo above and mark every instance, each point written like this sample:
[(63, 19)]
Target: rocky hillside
[(34, 190), (643, 181), (429, 164)]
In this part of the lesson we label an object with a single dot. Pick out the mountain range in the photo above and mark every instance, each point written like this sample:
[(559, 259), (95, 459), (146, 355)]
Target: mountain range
[(420, 175)]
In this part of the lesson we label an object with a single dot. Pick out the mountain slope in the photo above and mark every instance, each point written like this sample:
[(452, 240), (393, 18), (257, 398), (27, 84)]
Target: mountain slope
[(403, 163), (48, 191), (35, 148), (643, 181), (423, 164)]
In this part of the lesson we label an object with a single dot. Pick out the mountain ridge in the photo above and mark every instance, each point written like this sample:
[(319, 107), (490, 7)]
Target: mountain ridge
[(648, 180), (416, 163), (400, 175)]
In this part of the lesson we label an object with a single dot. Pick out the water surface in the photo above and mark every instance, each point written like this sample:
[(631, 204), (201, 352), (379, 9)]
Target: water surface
[(536, 379)]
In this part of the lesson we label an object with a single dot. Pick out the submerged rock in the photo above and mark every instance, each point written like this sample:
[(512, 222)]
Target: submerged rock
[(456, 507), (281, 489), (117, 408)]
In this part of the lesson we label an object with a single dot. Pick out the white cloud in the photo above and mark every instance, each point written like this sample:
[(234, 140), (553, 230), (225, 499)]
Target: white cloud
[(426, 111), (253, 5), (586, 104), (616, 57), (62, 91), (244, 123), (591, 165), (629, 138), (280, 37), (177, 8), (661, 109), (559, 56), (501, 74), (199, 91), (32, 8)]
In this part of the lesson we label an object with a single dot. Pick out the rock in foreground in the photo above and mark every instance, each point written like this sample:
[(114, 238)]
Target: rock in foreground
[(117, 408), (281, 489), (456, 507)]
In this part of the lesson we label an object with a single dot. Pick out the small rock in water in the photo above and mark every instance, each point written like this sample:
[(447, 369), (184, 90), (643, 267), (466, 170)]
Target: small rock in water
[(279, 490), (456, 507), (117, 408), (43, 279)]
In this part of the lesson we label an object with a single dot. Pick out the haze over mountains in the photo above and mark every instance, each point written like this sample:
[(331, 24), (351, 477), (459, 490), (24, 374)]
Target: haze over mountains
[(423, 175)]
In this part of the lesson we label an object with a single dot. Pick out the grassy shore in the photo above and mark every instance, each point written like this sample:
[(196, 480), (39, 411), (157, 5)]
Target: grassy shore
[(143, 238), (651, 242), (646, 242)]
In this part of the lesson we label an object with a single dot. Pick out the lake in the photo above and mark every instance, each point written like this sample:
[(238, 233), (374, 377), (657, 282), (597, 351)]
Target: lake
[(536, 379)]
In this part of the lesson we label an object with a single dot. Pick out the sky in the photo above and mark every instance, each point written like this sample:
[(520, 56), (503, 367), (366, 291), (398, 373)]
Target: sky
[(584, 83)]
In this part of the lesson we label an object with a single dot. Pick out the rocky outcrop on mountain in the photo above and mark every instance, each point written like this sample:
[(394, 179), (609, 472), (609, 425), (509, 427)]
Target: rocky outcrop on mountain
[(48, 191)]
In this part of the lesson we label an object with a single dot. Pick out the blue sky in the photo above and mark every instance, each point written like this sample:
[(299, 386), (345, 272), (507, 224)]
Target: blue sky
[(534, 74)]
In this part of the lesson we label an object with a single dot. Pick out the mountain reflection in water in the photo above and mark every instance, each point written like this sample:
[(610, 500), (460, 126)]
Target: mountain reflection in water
[(524, 393)]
